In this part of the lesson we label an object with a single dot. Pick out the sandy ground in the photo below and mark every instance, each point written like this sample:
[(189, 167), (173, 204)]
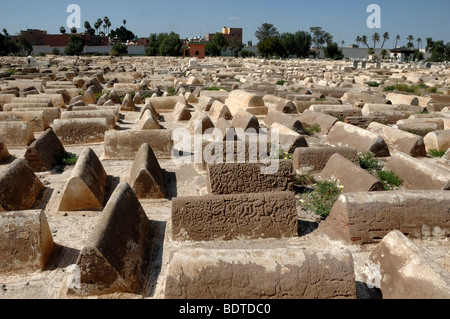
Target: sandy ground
[(71, 230)]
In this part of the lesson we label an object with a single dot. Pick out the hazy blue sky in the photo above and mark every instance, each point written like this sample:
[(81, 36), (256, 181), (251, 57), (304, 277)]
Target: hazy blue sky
[(344, 19)]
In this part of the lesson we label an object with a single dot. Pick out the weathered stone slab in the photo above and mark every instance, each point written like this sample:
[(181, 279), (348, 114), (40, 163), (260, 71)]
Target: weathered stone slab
[(49, 114), (125, 144), (279, 104), (343, 134), (36, 119), (418, 174), (314, 159), (146, 177), (219, 110), (205, 103), (26, 241), (398, 140), (11, 106), (45, 152), (148, 122), (289, 121), (85, 190), (406, 272), (107, 114), (259, 274), (4, 153), (437, 140), (397, 99), (350, 175), (115, 257), (19, 187), (367, 217), (239, 100), (238, 178), (17, 133), (228, 217), (181, 113), (199, 123), (325, 122), (81, 131), (166, 104), (245, 120), (289, 140)]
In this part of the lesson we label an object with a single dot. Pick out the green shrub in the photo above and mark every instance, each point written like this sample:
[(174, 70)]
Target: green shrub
[(171, 91), (321, 200), (436, 153), (323, 99), (389, 179), (311, 129), (389, 88), (214, 88), (303, 180), (69, 159), (281, 82), (368, 161), (373, 84)]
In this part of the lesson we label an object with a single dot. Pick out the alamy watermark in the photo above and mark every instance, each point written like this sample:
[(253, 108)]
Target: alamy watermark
[(374, 20), (74, 19)]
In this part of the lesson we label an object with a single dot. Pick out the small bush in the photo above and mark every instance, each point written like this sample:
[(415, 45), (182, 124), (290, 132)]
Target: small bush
[(373, 84), (171, 91), (323, 99), (70, 159), (214, 88), (368, 161), (436, 153), (389, 179), (321, 200), (311, 129), (389, 88), (303, 180), (281, 82)]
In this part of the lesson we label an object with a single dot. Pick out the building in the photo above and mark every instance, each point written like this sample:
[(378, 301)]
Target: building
[(230, 34), (42, 38), (194, 48), (402, 54)]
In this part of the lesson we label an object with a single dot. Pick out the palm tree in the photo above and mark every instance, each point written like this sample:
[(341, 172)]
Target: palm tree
[(99, 23), (384, 53), (375, 39), (62, 30), (386, 36), (343, 42), (106, 23), (419, 42), (87, 26), (73, 30), (410, 39), (124, 22), (358, 40), (364, 40), (397, 38)]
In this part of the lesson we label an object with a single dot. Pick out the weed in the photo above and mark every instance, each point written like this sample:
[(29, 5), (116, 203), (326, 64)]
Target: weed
[(69, 159), (436, 153), (389, 179), (281, 82), (303, 180), (311, 129), (322, 198), (368, 161), (373, 84)]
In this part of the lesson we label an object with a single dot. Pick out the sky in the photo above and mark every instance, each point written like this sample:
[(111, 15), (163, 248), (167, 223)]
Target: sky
[(344, 19)]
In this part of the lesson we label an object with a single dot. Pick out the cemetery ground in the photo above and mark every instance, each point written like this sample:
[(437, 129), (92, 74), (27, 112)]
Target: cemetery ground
[(126, 221)]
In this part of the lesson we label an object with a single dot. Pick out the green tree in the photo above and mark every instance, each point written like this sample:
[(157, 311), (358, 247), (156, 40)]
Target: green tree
[(358, 40), (332, 51), (212, 49), (364, 41), (153, 45), (410, 39), (386, 36), (303, 42), (375, 39), (320, 37), (397, 38), (75, 46), (287, 41), (246, 54), (62, 30), (24, 45), (73, 30), (171, 45), (119, 49), (384, 53), (271, 46), (123, 34), (265, 31)]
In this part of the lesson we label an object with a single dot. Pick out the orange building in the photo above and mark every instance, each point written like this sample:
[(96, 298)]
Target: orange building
[(228, 34), (194, 50)]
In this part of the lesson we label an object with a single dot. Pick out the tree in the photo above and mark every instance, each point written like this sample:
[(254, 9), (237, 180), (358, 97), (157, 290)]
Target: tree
[(303, 42), (62, 30), (73, 30), (384, 53), (386, 37), (364, 41), (419, 42), (124, 22), (235, 46), (271, 46), (397, 38), (123, 34), (153, 45), (320, 37), (119, 49), (358, 40), (24, 45), (410, 39), (75, 46), (107, 24), (332, 51), (171, 45), (246, 54), (220, 41), (265, 31), (212, 49), (287, 41), (342, 42), (375, 39)]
